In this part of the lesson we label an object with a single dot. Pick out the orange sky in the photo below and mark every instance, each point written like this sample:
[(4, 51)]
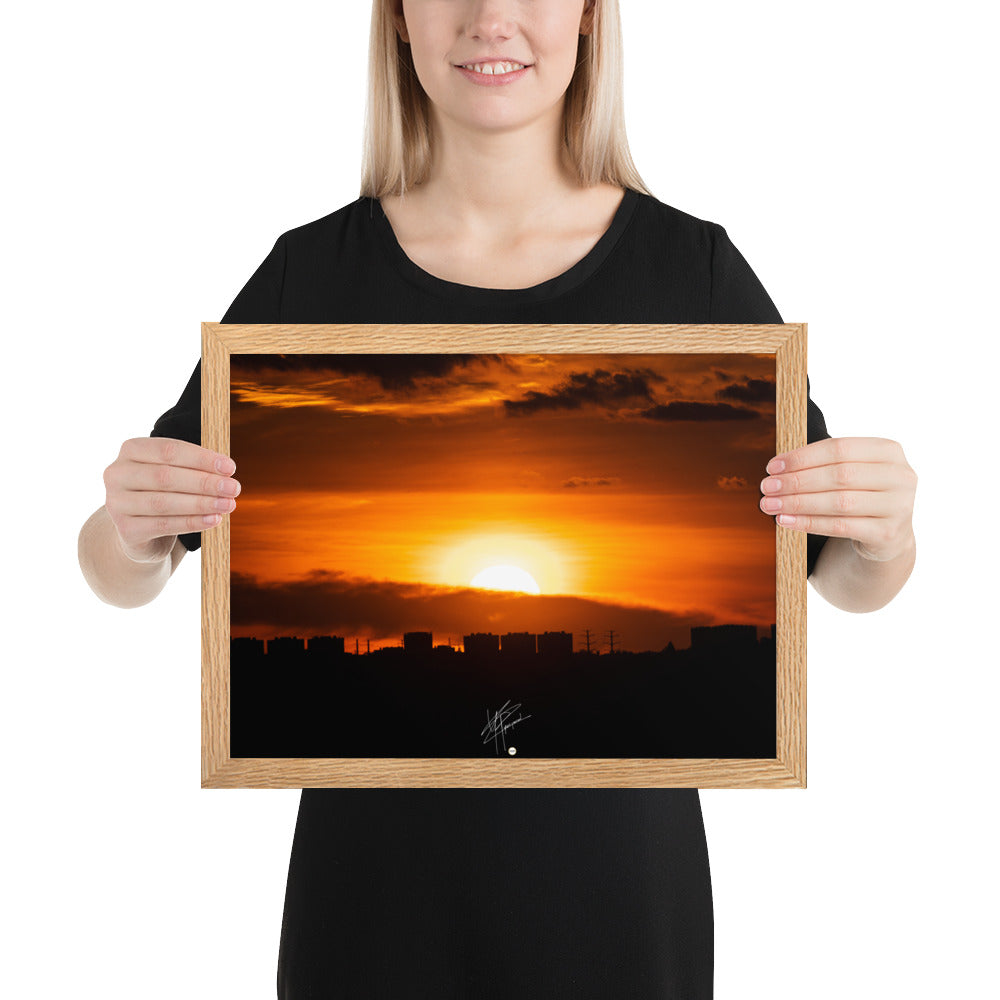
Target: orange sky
[(375, 487)]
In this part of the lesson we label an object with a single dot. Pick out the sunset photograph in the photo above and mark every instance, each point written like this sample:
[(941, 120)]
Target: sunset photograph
[(462, 555)]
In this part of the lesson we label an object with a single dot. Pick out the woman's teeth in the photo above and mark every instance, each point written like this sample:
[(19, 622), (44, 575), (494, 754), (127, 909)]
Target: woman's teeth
[(494, 69)]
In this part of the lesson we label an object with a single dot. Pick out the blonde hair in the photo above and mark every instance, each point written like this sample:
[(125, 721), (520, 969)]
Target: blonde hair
[(396, 150)]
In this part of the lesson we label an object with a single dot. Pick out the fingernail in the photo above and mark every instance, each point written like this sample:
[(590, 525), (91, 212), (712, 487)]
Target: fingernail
[(771, 503), (210, 519), (775, 465), (788, 519), (771, 485), (225, 466)]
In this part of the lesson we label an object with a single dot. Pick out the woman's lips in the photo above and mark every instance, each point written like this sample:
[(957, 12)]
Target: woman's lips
[(487, 80)]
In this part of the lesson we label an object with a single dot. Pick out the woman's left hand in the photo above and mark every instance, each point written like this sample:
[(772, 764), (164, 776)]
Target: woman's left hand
[(851, 487)]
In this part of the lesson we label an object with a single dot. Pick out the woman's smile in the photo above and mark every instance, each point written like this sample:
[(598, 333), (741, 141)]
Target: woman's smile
[(493, 74)]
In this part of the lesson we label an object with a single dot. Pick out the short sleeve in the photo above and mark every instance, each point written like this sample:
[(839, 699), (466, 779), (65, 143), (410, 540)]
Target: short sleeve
[(737, 296), (258, 302)]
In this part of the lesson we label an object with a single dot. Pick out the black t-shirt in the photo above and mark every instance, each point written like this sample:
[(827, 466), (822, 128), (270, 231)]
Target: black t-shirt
[(498, 893)]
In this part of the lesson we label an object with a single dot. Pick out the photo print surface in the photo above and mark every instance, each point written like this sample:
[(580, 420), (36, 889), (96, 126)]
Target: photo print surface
[(544, 556)]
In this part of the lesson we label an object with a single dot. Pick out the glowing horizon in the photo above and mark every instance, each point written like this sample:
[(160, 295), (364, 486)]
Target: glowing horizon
[(385, 484)]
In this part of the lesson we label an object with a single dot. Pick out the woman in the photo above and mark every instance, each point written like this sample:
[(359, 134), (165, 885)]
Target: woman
[(498, 187)]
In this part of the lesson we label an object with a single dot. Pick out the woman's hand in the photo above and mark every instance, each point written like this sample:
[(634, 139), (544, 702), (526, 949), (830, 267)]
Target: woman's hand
[(852, 487), (158, 488)]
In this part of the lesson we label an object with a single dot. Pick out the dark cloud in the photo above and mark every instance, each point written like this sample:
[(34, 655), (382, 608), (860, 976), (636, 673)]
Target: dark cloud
[(394, 371), (597, 388), (592, 481), (702, 412), (332, 603), (731, 483), (750, 390)]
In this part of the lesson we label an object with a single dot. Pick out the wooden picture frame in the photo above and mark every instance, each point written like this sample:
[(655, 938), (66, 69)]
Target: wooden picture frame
[(785, 343)]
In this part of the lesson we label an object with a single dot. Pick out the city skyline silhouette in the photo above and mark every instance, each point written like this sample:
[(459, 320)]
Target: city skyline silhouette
[(713, 698)]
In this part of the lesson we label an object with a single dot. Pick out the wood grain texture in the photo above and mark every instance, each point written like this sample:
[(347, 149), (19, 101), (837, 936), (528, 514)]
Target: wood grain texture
[(790, 367), (788, 770), (441, 772), (517, 339), (215, 570)]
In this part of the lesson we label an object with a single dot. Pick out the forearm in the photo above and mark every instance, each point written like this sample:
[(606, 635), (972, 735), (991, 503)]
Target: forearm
[(113, 576), (852, 583)]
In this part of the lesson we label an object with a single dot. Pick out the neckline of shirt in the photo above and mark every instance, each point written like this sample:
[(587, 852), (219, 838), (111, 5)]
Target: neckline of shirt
[(548, 289)]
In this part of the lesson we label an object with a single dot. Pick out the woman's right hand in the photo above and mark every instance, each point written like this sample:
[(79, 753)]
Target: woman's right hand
[(158, 488)]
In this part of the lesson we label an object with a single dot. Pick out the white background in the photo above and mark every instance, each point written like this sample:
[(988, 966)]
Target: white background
[(155, 152)]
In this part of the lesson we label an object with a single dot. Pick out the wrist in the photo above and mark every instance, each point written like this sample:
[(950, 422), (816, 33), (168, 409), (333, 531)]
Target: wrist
[(899, 551), (156, 551)]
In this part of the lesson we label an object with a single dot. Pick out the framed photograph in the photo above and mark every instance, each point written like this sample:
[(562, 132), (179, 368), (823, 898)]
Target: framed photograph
[(473, 555)]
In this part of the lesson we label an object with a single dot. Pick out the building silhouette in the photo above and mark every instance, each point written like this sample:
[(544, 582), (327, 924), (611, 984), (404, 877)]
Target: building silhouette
[(555, 643), (246, 647), (328, 645), (518, 644), (285, 645), (418, 642), (481, 643)]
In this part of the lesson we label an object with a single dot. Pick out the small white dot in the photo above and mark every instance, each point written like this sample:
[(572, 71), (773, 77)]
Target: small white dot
[(512, 750)]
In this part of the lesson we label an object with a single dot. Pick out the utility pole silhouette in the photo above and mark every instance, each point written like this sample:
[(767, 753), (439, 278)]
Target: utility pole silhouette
[(587, 634), (355, 645), (611, 639)]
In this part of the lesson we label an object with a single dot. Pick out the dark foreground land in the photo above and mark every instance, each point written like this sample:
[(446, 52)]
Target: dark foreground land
[(685, 703)]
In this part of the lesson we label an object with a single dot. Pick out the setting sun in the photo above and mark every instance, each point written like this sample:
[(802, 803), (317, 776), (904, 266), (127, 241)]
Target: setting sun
[(506, 578), (545, 559)]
